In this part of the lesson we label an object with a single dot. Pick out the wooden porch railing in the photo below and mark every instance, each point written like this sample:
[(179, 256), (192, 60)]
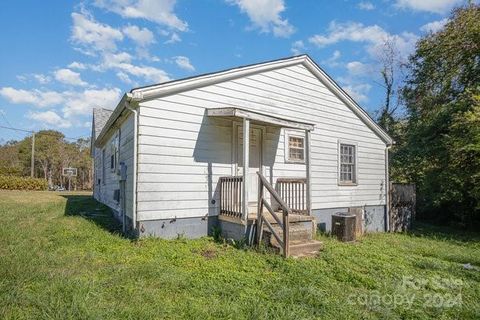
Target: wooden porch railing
[(294, 192), (231, 196), (283, 223)]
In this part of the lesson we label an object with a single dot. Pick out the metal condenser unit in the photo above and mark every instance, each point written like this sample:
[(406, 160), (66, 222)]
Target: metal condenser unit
[(343, 226)]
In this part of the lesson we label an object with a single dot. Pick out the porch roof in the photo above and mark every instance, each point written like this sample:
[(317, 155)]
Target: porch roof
[(259, 117)]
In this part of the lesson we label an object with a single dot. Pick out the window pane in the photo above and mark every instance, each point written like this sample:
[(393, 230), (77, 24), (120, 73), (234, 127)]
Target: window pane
[(347, 163), (296, 148)]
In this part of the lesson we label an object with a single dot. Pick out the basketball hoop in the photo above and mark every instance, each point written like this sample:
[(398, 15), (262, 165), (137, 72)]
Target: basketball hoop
[(69, 172)]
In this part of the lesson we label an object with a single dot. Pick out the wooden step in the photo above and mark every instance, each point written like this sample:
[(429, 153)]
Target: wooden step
[(291, 218), (297, 231), (305, 249), (300, 248)]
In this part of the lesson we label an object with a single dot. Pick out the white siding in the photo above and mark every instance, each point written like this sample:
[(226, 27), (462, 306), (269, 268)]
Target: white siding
[(182, 152), (103, 192)]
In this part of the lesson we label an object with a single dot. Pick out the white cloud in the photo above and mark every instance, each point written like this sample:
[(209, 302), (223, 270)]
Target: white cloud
[(158, 11), (92, 35), (32, 97), (77, 65), (333, 60), (99, 39), (434, 26), (174, 38), (365, 5), (141, 36), (359, 92), (357, 68), (41, 78), (121, 62), (82, 103), (73, 102), (38, 77), (144, 53), (349, 31), (49, 117), (298, 47), (150, 74), (183, 63), (435, 6), (22, 78), (266, 15), (373, 36), (124, 77), (70, 77)]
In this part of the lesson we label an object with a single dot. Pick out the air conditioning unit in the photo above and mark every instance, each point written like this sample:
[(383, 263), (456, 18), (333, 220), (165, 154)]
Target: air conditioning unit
[(343, 226)]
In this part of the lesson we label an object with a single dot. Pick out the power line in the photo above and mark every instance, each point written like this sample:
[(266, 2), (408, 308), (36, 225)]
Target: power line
[(40, 133), (5, 118)]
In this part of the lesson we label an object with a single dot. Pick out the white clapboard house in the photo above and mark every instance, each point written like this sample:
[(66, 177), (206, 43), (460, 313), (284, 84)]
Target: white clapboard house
[(218, 150)]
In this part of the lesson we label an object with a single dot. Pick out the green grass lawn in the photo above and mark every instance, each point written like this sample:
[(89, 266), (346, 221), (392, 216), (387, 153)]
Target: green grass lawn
[(61, 258)]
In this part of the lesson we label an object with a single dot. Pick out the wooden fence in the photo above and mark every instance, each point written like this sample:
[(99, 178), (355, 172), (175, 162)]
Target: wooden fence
[(402, 206)]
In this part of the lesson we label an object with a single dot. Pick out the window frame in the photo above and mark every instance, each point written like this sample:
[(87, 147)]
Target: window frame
[(114, 153), (294, 134), (339, 164)]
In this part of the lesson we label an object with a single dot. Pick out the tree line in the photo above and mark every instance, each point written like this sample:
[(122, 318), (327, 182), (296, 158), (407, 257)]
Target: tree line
[(437, 127), (52, 153)]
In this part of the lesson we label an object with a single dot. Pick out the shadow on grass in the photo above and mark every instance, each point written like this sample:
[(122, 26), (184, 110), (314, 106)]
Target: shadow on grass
[(90, 209), (443, 233)]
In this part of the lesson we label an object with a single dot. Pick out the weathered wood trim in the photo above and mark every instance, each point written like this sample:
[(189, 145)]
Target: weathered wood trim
[(280, 241), (286, 211)]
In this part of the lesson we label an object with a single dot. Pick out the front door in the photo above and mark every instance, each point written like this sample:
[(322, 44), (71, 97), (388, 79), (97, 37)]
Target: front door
[(255, 163)]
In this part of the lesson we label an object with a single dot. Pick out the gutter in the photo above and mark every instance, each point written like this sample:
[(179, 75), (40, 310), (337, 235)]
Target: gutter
[(129, 101)]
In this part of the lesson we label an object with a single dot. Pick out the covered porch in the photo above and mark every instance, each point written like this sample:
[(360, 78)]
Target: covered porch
[(251, 201)]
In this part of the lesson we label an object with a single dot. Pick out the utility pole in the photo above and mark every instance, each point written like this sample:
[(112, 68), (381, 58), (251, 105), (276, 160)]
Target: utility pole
[(32, 163)]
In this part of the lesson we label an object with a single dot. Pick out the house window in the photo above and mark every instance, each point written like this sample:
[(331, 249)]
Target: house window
[(114, 147), (295, 147), (348, 164)]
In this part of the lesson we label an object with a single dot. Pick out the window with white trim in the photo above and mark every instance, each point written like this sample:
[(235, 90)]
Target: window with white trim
[(348, 164), (294, 147)]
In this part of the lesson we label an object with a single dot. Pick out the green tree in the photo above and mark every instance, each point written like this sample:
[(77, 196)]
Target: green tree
[(441, 149), (47, 151), (9, 161)]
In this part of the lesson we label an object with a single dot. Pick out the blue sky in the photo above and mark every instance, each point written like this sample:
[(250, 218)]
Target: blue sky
[(60, 59)]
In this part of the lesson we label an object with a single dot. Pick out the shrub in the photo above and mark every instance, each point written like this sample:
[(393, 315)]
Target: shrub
[(10, 171), (22, 183)]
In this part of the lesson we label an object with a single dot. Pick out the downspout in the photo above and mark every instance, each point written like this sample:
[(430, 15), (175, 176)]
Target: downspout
[(387, 188), (128, 106)]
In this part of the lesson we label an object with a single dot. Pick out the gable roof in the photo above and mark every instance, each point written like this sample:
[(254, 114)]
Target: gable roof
[(175, 86)]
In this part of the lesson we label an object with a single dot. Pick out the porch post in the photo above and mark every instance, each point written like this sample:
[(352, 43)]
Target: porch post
[(308, 170), (246, 163)]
